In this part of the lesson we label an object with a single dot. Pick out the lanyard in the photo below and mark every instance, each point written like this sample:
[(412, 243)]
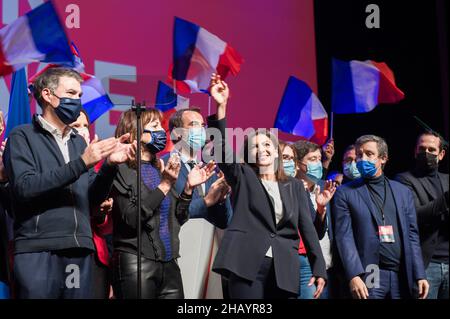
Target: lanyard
[(380, 208)]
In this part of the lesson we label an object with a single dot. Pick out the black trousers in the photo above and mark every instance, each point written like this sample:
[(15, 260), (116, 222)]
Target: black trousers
[(101, 280), (264, 287), (54, 274), (159, 280)]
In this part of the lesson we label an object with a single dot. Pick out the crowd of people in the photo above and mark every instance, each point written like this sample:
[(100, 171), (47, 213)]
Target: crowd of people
[(291, 230)]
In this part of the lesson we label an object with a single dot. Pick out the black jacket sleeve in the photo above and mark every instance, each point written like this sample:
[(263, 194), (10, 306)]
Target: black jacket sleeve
[(431, 211), (223, 154), (100, 183), (125, 201), (25, 180)]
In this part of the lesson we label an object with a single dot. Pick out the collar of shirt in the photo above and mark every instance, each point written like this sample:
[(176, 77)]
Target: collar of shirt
[(312, 195), (184, 159), (52, 129)]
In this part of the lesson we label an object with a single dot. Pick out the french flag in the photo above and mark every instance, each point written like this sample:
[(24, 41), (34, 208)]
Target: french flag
[(301, 113), (197, 54), (36, 36), (359, 86), (95, 100), (168, 102)]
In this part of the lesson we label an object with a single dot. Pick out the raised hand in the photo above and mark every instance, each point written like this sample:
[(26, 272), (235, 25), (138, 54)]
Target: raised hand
[(200, 174), (219, 89), (328, 150), (324, 197)]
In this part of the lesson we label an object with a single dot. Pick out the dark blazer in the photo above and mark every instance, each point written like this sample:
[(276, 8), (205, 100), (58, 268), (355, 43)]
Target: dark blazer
[(356, 230), (219, 215), (253, 228), (432, 209), (124, 194)]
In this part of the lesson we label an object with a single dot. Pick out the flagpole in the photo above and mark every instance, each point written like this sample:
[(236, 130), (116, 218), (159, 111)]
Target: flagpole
[(209, 105), (138, 108), (331, 125), (175, 86)]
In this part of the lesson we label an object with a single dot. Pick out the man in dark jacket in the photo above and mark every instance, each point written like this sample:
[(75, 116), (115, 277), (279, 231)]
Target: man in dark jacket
[(376, 230), (53, 186), (430, 190)]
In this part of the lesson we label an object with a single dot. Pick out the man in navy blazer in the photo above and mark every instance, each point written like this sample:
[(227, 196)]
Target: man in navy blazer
[(210, 200), (376, 230)]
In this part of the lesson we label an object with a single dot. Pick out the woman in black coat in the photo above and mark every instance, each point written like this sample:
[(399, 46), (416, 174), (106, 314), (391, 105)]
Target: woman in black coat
[(259, 251), (163, 213)]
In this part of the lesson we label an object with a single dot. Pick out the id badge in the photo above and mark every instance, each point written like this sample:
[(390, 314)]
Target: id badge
[(386, 234)]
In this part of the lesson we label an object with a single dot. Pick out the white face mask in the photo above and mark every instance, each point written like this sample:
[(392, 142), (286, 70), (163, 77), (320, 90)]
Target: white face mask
[(84, 132)]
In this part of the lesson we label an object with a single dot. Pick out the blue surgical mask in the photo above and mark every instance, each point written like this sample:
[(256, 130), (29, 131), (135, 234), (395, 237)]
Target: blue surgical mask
[(314, 171), (68, 109), (351, 171), (157, 142), (289, 168), (367, 168), (197, 138)]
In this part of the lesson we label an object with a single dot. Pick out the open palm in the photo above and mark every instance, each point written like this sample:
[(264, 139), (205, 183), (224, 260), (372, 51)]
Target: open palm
[(324, 197), (199, 174)]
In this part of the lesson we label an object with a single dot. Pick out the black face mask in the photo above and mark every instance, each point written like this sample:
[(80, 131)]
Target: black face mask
[(68, 109), (426, 161)]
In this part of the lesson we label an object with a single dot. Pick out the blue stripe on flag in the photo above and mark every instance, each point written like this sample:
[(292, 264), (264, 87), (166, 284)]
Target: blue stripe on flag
[(166, 98), (19, 104), (185, 37), (48, 34), (97, 107), (295, 98), (343, 96)]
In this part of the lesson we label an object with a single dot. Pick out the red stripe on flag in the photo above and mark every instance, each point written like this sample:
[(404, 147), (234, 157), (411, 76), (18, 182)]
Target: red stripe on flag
[(388, 91), (321, 131), (229, 61), (5, 67)]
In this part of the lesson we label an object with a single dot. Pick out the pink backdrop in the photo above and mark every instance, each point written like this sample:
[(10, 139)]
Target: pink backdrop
[(275, 38)]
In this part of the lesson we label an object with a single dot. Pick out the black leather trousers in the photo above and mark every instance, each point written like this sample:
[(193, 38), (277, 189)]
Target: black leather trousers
[(160, 280)]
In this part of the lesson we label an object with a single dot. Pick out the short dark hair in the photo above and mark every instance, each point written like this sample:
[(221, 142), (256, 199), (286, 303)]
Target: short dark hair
[(176, 119), (347, 149), (304, 147), (49, 79), (442, 144)]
